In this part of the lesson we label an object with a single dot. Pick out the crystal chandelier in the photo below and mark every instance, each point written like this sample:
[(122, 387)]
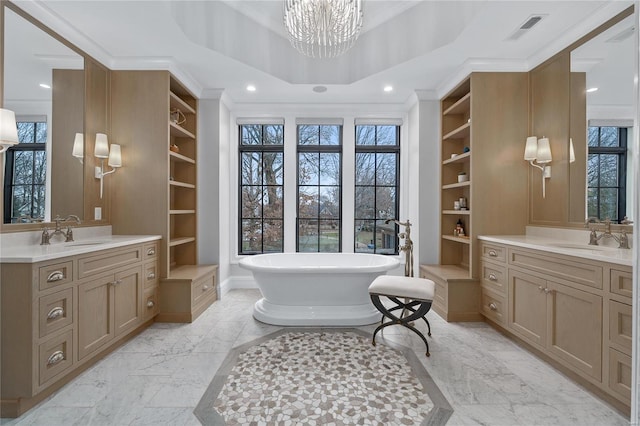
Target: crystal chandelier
[(323, 28)]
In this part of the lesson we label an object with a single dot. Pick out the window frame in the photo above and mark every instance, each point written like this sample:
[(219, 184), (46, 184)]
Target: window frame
[(9, 184), (621, 152), (378, 149), (261, 148), (320, 149)]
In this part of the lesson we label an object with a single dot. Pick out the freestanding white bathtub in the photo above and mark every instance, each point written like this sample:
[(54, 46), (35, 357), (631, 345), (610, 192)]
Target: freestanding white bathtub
[(321, 289)]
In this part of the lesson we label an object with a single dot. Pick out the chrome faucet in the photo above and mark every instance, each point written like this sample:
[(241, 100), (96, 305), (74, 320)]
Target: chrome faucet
[(407, 247), (622, 240), (46, 236)]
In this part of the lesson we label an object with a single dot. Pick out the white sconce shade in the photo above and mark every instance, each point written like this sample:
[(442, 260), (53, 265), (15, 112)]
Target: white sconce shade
[(572, 153), (101, 149), (544, 151), (8, 129), (115, 157), (78, 146), (531, 149)]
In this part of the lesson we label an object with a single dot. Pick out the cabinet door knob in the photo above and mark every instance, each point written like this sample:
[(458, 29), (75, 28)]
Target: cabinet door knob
[(493, 306), (493, 277), (150, 303), (151, 276), (55, 358), (548, 290), (151, 251), (55, 313), (55, 276), (205, 287), (540, 288), (116, 282), (493, 253)]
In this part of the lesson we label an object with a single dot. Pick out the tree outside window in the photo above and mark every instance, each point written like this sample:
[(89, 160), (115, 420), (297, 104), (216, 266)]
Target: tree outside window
[(377, 180), (606, 173), (25, 174), (261, 188), (319, 188)]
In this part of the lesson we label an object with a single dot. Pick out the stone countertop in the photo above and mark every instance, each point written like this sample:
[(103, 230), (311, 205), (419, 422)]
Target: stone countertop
[(567, 248), (38, 253)]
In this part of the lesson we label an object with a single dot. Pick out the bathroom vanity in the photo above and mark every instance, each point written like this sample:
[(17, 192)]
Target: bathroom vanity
[(571, 303), (66, 305)]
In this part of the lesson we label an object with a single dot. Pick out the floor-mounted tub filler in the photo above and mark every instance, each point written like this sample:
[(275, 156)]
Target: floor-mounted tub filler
[(319, 289)]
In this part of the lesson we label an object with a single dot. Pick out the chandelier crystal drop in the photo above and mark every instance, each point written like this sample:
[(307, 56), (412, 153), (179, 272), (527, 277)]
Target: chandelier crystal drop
[(323, 28)]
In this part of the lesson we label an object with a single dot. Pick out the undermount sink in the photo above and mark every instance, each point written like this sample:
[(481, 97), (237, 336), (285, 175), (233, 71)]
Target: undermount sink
[(576, 246), (85, 243)]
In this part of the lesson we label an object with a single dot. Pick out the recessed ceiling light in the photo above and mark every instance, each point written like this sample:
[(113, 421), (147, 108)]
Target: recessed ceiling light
[(251, 88), (388, 88), (45, 86), (320, 89), (592, 89)]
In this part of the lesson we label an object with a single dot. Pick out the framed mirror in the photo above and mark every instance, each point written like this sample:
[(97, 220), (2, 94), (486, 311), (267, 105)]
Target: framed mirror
[(601, 177), (50, 174)]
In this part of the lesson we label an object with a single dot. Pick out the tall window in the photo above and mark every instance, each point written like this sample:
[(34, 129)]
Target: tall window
[(25, 173), (261, 188), (377, 183), (606, 173), (319, 188)]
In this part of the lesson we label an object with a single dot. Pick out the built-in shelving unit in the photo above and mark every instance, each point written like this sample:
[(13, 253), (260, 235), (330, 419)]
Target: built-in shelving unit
[(482, 137)]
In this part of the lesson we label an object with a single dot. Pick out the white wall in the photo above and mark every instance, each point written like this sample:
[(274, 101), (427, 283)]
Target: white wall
[(425, 117)]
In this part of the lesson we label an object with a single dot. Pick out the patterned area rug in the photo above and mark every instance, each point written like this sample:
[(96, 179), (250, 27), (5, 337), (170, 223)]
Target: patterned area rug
[(320, 377)]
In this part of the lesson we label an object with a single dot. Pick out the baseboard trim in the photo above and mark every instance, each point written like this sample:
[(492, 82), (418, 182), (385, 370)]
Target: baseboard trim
[(234, 283)]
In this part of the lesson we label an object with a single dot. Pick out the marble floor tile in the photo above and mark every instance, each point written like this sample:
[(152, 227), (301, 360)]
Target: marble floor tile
[(156, 377)]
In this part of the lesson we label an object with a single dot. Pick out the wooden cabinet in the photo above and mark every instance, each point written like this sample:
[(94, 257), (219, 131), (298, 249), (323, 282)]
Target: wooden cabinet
[(573, 310), (60, 315), (478, 128), (154, 118)]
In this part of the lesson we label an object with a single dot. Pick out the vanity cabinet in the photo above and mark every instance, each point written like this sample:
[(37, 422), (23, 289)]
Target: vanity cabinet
[(60, 316), (575, 311), (479, 130)]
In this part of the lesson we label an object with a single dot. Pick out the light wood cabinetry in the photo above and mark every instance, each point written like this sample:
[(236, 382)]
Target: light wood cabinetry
[(155, 119), (575, 311), (483, 137), (60, 316)]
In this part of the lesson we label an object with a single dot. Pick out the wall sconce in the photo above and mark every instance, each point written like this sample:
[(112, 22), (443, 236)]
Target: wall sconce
[(539, 150), (78, 147), (8, 129), (102, 151)]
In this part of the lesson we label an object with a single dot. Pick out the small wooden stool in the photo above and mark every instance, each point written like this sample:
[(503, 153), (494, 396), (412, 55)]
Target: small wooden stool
[(417, 294)]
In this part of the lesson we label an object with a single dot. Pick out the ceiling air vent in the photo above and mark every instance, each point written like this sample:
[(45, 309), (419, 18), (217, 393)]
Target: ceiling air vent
[(526, 26), (622, 35)]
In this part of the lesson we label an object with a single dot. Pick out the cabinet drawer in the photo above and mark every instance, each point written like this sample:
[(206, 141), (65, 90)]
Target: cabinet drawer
[(493, 252), (620, 325), (202, 289), (55, 357), (151, 303), (108, 260), (55, 275), (586, 273), (150, 274), (150, 250), (620, 375), (621, 282), (55, 311), (493, 306), (494, 277)]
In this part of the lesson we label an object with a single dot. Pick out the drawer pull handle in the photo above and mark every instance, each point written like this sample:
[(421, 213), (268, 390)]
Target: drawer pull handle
[(150, 304), (205, 287), (493, 277), (116, 282), (55, 313), (151, 276), (55, 358), (493, 306), (55, 276), (493, 253), (151, 251)]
